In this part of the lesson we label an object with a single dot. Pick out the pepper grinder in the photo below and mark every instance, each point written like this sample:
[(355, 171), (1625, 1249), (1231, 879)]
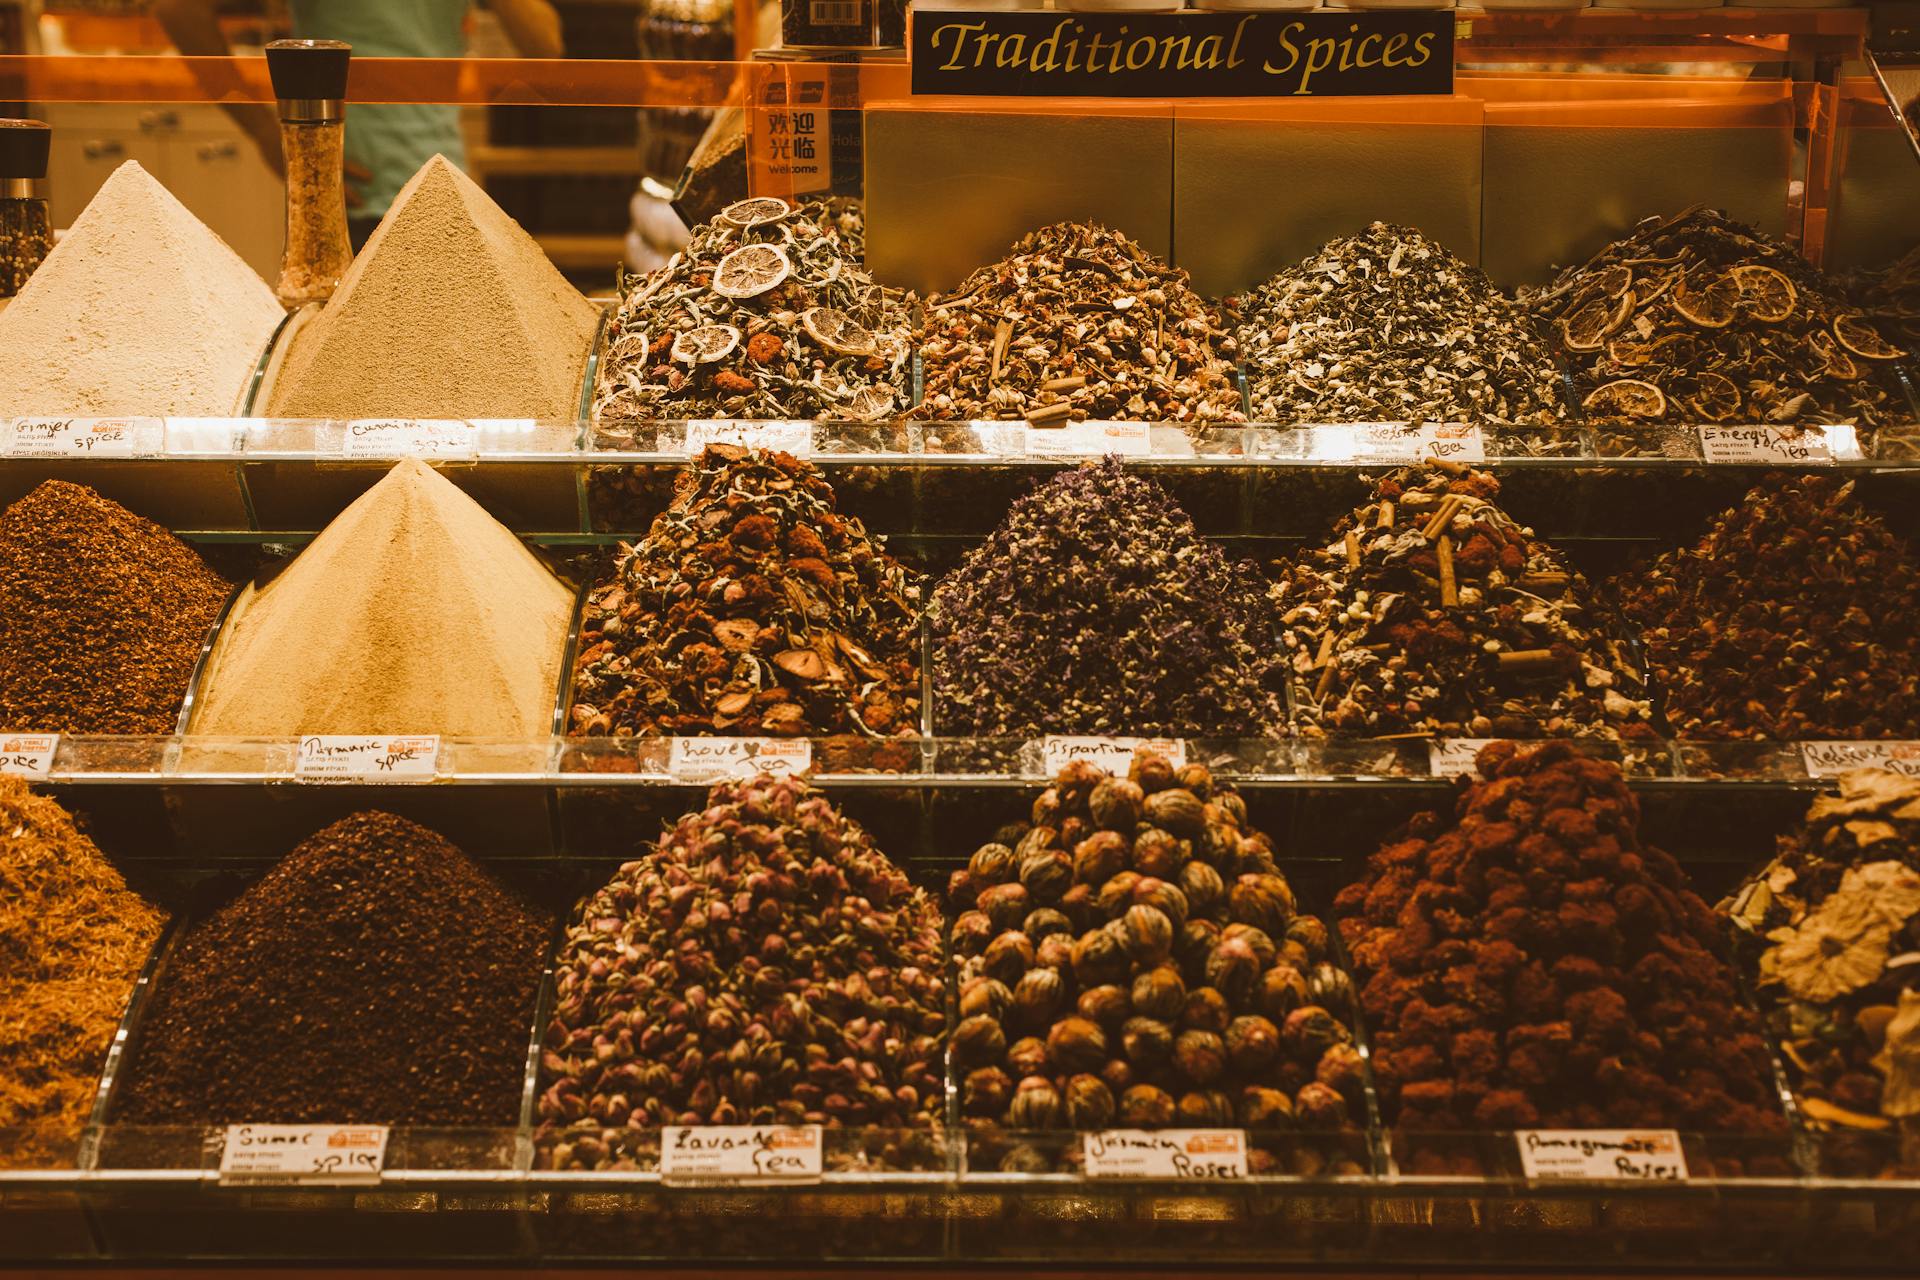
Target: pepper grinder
[(310, 80), (26, 234)]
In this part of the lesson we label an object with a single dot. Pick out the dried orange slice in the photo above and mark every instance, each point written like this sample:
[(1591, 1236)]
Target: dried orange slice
[(708, 343), (1707, 303), (837, 331), (1765, 293), (1714, 398), (1586, 328), (1840, 365), (750, 271), (1861, 338), (1626, 398), (1613, 281), (870, 403), (754, 212)]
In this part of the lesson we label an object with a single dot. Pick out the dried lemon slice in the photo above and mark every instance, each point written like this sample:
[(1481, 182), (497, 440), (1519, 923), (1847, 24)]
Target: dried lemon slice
[(1587, 327), (756, 211), (1840, 365), (750, 271), (1715, 397), (1861, 338), (1613, 282), (870, 403), (1627, 398), (1711, 306), (708, 343), (837, 331), (1766, 294)]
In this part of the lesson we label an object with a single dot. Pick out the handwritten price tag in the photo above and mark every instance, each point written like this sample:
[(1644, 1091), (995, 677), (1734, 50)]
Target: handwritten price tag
[(367, 758), (303, 1154), (1831, 759), (28, 755), (1115, 755), (1804, 446), (1391, 442), (706, 760), (1210, 1155), (748, 1154), (1453, 757), (442, 438), (71, 437), (1090, 440), (1603, 1155), (795, 438)]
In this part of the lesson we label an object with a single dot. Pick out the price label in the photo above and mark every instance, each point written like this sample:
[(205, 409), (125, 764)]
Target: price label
[(1115, 755), (1393, 442), (1801, 446), (741, 1153), (1207, 1155), (1831, 759), (345, 757), (28, 755), (1453, 757), (1090, 440), (795, 438), (71, 437), (303, 1154), (706, 760), (1602, 1155), (441, 438)]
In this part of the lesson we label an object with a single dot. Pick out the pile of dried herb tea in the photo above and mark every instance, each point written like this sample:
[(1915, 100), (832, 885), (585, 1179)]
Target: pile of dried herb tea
[(752, 607), (73, 938), (1790, 618), (1077, 322), (1698, 318), (1096, 607), (1388, 326), (764, 964), (102, 615), (1432, 611), (1891, 299), (766, 313), (377, 975), (1527, 961), (1831, 933)]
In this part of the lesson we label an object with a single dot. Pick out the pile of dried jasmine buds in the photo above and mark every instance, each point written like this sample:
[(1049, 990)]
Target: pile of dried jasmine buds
[(1831, 931), (1134, 958), (1388, 326), (752, 607), (1433, 612), (1528, 961), (765, 963), (1791, 618), (1077, 323), (1096, 607), (1698, 318), (766, 313)]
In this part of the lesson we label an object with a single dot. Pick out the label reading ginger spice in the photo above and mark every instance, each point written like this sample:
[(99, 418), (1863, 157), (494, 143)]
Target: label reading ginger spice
[(446, 439), (749, 1154), (71, 437), (1602, 1155), (1831, 759), (1211, 1155), (28, 755), (1453, 757), (303, 1154), (375, 757), (1763, 446), (701, 761), (795, 438), (1115, 755)]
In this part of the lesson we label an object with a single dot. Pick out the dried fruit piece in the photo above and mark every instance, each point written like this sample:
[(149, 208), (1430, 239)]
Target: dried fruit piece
[(1765, 293), (755, 211), (837, 331), (1708, 302), (1714, 397), (751, 270), (1586, 328), (1628, 398), (1861, 338), (705, 345)]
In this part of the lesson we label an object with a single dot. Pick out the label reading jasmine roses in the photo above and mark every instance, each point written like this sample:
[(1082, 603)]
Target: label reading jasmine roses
[(1211, 1155)]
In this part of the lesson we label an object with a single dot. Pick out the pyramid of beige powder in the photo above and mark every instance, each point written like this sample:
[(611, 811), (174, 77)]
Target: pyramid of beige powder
[(139, 310), (450, 311), (413, 612)]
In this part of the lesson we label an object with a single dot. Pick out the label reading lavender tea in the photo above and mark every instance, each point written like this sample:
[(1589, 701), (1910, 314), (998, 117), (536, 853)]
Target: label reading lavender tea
[(1757, 445), (706, 760), (28, 755), (1115, 755), (1213, 1155), (1453, 757), (72, 437), (1831, 759), (1602, 1155), (445, 439), (367, 758), (744, 1153), (1090, 440), (303, 1154), (795, 438), (1397, 442)]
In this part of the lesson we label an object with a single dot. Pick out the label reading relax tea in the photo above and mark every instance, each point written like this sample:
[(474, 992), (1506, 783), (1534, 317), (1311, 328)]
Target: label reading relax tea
[(1115, 755), (741, 1153), (1090, 440), (1603, 1155), (70, 437), (707, 760), (303, 1154), (367, 758), (1213, 1155), (1803, 446), (28, 755), (431, 438), (1831, 759), (1453, 757), (795, 438)]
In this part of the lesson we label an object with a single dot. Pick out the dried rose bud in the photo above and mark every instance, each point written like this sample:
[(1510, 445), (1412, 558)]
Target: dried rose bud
[(1036, 1105), (1203, 886), (991, 864), (1164, 898), (972, 931), (1232, 968), (1078, 905), (1330, 985), (1317, 1106), (1089, 1102), (1029, 1057), (1206, 1109), (1177, 810), (1206, 1010), (978, 1041), (1077, 1044), (1007, 957), (1006, 905), (1145, 1107), (1233, 804), (1262, 1108), (1310, 1031), (1118, 1075), (1196, 778), (1036, 839), (1159, 853), (1115, 804), (1106, 1005), (1200, 1056), (1046, 810), (1197, 941), (1152, 772), (1037, 996), (1147, 1042), (1047, 874), (1343, 1070), (1043, 922), (1098, 958), (1264, 901), (1116, 895), (1099, 858), (1263, 949), (1218, 845), (1160, 993), (1252, 1044), (961, 887), (1311, 933), (986, 1092), (1054, 952), (1149, 934), (985, 997), (1281, 991)]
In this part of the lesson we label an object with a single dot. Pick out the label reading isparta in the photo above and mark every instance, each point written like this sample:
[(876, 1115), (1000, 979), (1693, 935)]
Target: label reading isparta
[(1115, 755)]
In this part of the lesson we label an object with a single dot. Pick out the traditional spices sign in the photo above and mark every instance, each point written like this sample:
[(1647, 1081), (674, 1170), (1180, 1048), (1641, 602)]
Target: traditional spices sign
[(1183, 55)]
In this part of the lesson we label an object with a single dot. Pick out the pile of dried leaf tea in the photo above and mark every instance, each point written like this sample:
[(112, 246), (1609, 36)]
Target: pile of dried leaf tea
[(1698, 318), (1388, 326), (1433, 611), (767, 313), (1076, 323)]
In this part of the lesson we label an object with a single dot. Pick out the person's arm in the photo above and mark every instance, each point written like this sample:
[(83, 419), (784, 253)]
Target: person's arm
[(533, 26), (194, 28)]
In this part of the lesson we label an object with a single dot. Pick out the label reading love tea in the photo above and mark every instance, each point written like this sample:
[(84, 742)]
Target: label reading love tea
[(1090, 440), (1604, 1155), (433, 438), (1392, 442), (741, 1153), (1749, 446), (795, 438), (1453, 757), (70, 437), (1115, 755), (1214, 1155), (707, 760), (367, 758), (28, 755), (303, 1154), (1831, 759)]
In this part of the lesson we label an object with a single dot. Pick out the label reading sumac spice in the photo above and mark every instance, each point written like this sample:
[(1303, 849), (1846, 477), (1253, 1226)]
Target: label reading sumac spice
[(367, 758), (707, 760), (441, 438), (1090, 440), (1453, 757), (1604, 1155), (1831, 759), (1798, 446), (795, 438), (71, 437), (1397, 442), (1214, 1155), (741, 1153), (306, 1154), (1115, 755), (28, 755)]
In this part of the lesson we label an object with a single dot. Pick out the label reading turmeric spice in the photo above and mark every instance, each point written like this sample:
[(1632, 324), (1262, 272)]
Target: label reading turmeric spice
[(367, 758)]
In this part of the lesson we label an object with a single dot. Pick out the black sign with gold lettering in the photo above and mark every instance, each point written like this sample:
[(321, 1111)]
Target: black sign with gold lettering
[(1183, 55)]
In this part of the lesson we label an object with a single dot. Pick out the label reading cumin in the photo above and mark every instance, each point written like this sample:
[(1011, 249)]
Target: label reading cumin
[(1602, 1155), (748, 1154), (304, 1154), (1115, 755), (1212, 1155), (71, 437), (1798, 446), (28, 755), (1831, 759), (442, 438), (367, 758), (705, 760)]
